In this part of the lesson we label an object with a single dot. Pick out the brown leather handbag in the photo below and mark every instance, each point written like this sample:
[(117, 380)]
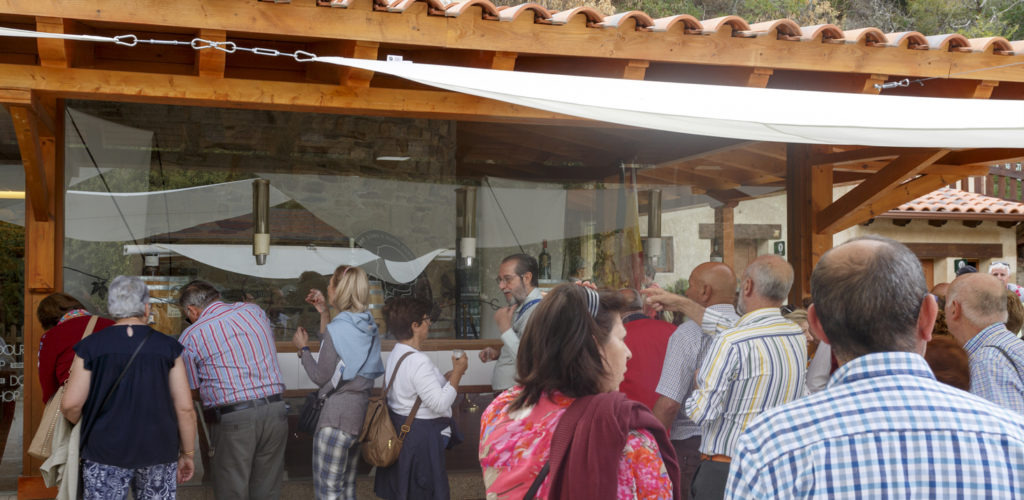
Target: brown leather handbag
[(379, 441)]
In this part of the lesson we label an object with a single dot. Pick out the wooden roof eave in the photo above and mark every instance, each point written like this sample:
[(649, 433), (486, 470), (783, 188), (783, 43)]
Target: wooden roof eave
[(478, 29), (943, 215)]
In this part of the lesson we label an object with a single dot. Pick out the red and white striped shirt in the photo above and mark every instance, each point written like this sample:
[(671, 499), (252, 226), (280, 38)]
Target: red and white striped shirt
[(230, 355)]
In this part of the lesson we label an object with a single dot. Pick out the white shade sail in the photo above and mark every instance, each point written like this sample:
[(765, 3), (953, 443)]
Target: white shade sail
[(792, 116)]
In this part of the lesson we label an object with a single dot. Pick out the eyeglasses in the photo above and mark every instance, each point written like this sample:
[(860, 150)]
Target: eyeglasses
[(507, 279)]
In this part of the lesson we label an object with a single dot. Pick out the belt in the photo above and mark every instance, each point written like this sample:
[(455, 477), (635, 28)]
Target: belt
[(716, 458), (214, 414)]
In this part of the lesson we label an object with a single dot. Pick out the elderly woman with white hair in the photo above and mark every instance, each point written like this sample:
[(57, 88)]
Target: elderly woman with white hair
[(128, 387)]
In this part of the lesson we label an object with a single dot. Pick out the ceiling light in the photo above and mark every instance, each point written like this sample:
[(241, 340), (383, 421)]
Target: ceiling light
[(393, 158)]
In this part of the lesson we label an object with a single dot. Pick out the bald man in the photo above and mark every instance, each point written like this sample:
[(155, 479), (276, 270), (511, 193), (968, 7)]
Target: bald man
[(751, 366), (712, 285), (975, 314)]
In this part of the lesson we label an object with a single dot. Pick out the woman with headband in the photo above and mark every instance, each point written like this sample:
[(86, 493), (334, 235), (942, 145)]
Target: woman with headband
[(565, 427), (348, 364)]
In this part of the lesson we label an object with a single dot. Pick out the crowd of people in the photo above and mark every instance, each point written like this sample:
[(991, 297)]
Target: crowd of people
[(874, 387)]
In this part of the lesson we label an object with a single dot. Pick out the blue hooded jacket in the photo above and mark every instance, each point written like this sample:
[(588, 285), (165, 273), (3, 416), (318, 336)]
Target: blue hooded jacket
[(356, 339)]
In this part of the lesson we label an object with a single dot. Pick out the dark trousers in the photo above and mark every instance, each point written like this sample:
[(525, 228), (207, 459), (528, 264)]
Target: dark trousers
[(709, 481), (688, 454), (248, 458)]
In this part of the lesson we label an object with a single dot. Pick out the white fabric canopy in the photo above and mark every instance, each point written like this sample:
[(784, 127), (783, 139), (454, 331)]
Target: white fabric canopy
[(288, 262), (796, 116), (95, 216)]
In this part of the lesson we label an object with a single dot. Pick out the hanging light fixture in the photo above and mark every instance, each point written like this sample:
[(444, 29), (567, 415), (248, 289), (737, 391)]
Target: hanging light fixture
[(467, 243), (261, 220), (654, 227)]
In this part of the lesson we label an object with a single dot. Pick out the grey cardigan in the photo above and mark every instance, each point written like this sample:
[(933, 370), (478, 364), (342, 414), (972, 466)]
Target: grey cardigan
[(345, 409)]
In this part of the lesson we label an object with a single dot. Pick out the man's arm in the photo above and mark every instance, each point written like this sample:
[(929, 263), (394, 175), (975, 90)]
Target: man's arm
[(994, 378), (666, 409)]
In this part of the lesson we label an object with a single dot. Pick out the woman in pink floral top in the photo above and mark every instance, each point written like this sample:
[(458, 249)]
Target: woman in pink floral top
[(573, 348)]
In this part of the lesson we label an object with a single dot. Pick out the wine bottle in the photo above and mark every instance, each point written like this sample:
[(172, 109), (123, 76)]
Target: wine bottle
[(544, 261)]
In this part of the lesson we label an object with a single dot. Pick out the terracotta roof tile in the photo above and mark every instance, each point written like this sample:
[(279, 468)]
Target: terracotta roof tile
[(786, 28), (949, 200)]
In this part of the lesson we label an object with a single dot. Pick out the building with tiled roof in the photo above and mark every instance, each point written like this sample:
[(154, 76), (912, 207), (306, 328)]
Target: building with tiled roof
[(216, 95)]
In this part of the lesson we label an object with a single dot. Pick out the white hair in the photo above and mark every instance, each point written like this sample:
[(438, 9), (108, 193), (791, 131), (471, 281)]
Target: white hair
[(127, 297), (998, 265)]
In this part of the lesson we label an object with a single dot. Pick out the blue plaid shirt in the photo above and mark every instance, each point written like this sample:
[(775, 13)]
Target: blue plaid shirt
[(996, 357), (883, 428)]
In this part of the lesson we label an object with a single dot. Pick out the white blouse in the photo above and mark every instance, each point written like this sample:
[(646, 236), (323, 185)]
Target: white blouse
[(418, 376)]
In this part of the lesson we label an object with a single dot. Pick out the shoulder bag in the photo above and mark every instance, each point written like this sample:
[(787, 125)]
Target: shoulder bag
[(42, 441), (311, 408), (380, 443)]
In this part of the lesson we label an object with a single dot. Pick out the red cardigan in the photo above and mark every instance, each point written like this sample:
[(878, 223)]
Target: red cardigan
[(597, 428), (56, 351)]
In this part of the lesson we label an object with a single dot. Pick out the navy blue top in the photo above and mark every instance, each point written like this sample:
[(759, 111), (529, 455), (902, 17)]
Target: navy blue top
[(138, 426)]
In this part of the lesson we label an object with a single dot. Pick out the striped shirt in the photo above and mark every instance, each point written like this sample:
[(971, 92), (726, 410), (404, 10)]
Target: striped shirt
[(996, 358), (230, 355), (686, 348), (759, 364), (883, 428)]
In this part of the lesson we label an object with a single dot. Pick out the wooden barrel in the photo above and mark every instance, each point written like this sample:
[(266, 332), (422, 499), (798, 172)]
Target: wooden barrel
[(377, 305), (165, 315)]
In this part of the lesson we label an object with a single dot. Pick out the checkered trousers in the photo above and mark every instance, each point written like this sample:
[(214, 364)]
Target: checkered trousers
[(335, 457)]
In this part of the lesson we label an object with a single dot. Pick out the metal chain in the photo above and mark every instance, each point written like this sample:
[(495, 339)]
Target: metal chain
[(227, 47)]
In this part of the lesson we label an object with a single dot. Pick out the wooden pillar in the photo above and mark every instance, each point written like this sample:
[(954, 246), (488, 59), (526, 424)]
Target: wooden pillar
[(39, 128), (725, 234), (808, 192)]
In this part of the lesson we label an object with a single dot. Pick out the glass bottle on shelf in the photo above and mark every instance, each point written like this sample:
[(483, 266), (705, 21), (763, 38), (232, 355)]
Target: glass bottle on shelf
[(544, 261)]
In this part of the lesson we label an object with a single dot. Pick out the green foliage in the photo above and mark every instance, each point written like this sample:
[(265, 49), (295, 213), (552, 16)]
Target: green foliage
[(12, 274)]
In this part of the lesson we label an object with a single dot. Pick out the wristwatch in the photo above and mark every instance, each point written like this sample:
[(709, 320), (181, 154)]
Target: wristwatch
[(304, 348)]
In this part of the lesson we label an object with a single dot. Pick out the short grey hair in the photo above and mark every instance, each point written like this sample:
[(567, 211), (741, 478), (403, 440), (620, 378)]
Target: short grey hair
[(869, 302), (197, 293), (772, 277), (127, 297), (982, 303)]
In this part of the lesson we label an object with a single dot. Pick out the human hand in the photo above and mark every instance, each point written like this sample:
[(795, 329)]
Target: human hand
[(186, 468), (503, 317), (301, 338), (488, 354), (316, 298), (459, 365), (663, 300)]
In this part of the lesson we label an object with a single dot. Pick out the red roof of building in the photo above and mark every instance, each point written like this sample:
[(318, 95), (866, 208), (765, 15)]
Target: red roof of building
[(956, 203)]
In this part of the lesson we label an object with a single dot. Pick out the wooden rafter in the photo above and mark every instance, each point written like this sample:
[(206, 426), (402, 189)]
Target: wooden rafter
[(239, 93), (211, 62), (53, 52), (899, 195), (848, 210)]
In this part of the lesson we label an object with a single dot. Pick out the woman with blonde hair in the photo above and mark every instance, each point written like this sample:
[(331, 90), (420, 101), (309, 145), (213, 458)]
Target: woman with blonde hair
[(348, 364)]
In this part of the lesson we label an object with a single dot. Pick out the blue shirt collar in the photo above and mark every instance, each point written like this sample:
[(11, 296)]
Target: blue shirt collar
[(882, 364), (983, 337)]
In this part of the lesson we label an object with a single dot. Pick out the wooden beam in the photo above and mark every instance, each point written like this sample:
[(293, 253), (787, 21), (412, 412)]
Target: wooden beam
[(26, 129), (743, 231), (839, 214), (808, 191), (471, 31), (53, 52), (355, 77), (895, 197), (870, 81), (964, 250), (855, 155), (44, 250), (504, 61), (985, 157), (210, 62), (984, 89), (286, 96), (759, 77), (635, 70), (724, 226)]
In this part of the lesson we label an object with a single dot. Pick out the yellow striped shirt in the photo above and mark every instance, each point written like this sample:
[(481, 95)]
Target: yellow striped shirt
[(758, 364)]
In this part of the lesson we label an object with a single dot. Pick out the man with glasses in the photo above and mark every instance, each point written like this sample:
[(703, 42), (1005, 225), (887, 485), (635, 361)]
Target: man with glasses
[(517, 279), (1001, 270)]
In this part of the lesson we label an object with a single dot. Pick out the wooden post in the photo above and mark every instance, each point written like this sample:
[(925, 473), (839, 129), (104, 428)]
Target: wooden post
[(725, 234), (44, 248), (808, 192)]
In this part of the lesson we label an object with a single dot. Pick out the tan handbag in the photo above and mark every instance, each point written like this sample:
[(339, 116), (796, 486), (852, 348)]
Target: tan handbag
[(42, 441), (378, 440)]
